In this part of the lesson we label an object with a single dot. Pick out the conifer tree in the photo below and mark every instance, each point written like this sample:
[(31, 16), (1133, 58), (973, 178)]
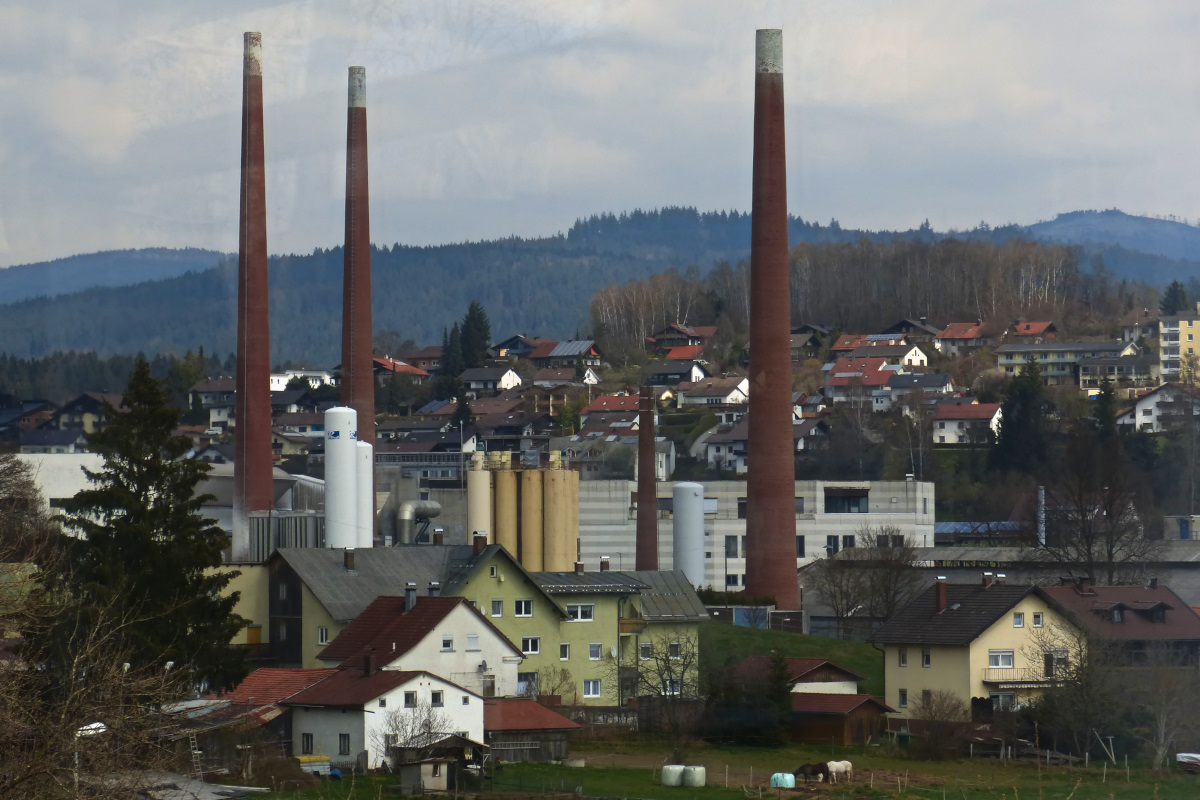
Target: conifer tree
[(145, 555), (476, 336), (1021, 445)]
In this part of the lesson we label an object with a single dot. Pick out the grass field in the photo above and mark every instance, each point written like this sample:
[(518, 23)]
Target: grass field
[(717, 639), (629, 769)]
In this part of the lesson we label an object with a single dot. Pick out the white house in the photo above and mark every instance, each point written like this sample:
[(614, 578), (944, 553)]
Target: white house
[(908, 355), (316, 378), (364, 709), (444, 635), (966, 423), (713, 391), (489, 379), (1153, 409)]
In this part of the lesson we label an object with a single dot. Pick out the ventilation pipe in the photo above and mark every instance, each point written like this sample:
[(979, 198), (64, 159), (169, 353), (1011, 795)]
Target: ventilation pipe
[(410, 596), (407, 515)]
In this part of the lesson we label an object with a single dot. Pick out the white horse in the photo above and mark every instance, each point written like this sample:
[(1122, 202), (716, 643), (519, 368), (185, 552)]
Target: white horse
[(839, 770)]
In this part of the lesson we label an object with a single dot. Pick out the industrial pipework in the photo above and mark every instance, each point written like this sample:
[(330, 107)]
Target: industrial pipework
[(646, 546)]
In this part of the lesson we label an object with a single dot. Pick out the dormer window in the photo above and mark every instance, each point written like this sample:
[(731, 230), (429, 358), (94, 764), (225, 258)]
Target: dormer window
[(1118, 614), (1158, 614)]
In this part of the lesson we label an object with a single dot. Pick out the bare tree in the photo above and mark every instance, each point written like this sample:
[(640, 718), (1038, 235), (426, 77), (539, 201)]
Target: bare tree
[(942, 713), (1084, 692), (1165, 696), (413, 732), (666, 669), (554, 681)]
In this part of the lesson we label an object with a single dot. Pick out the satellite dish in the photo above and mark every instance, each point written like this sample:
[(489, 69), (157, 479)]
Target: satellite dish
[(612, 651)]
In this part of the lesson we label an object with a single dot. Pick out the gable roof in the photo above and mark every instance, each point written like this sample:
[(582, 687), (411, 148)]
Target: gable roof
[(669, 596), (966, 411), (1093, 611), (884, 350), (970, 610), (859, 372), (272, 685), (352, 686), (604, 581), (522, 714), (613, 402), (962, 330), (1023, 328), (918, 380), (381, 571), (555, 375), (1141, 316), (684, 352), (216, 385), (712, 387), (484, 373), (758, 668), (671, 368), (908, 323), (822, 703)]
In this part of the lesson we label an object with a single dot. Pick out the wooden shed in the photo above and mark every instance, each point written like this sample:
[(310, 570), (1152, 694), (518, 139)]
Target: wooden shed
[(426, 775), (522, 730), (845, 719)]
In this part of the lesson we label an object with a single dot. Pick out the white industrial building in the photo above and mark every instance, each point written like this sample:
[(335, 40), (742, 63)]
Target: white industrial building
[(829, 515)]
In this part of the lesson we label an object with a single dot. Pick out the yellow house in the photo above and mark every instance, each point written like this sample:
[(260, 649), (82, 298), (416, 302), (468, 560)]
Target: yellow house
[(979, 641)]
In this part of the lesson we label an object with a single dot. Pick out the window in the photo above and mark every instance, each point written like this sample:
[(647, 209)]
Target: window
[(343, 744), (926, 657), (1053, 663), (1037, 619), (799, 505), (523, 608), (410, 699), (435, 699), (1000, 659), (674, 650), (645, 651), (1118, 614), (282, 632), (924, 505), (671, 686), (902, 653), (926, 697), (1003, 701), (581, 612), (527, 684), (497, 608), (741, 508), (283, 591), (731, 580), (466, 700), (831, 545), (594, 651), (800, 546), (531, 645), (306, 744), (383, 702), (322, 634), (492, 571), (903, 703), (731, 547), (437, 770), (848, 541), (845, 501), (472, 642), (1018, 619), (447, 644), (564, 652), (941, 426), (591, 688)]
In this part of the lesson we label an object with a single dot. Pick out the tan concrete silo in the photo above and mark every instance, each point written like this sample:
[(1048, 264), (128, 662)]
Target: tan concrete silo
[(558, 556), (530, 554), (505, 493), (573, 514), (479, 497)]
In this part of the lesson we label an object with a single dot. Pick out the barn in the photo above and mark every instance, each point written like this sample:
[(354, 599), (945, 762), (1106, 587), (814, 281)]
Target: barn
[(844, 719), (518, 729)]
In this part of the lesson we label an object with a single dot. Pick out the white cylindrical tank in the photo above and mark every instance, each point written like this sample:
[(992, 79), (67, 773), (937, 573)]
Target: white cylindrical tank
[(479, 498), (365, 486), (687, 548), (341, 477)]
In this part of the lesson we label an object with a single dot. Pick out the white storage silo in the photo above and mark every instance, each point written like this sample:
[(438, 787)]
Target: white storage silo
[(365, 491), (479, 498), (688, 531), (341, 473)]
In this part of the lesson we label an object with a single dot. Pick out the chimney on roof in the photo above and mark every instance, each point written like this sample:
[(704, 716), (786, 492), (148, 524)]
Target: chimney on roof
[(604, 564), (922, 320), (1084, 586), (439, 538), (435, 589), (410, 596), (579, 567), (939, 594), (1001, 579), (478, 543), (987, 579), (369, 661), (348, 559), (1154, 583)]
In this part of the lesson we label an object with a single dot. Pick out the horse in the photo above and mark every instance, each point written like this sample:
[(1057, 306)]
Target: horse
[(818, 772), (840, 769)]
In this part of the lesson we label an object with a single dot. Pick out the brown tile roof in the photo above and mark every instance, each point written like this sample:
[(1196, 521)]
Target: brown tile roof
[(1141, 316), (544, 349), (821, 703), (353, 687), (271, 685), (613, 402), (687, 352), (859, 372), (966, 411), (216, 385), (1031, 328), (962, 330), (516, 714), (848, 341), (384, 618), (970, 610), (758, 668), (710, 387), (1094, 611)]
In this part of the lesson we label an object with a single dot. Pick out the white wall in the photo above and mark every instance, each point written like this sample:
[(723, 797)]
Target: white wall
[(60, 475), (827, 687)]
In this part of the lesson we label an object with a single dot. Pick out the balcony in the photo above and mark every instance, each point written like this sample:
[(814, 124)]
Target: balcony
[(1017, 677), (629, 626)]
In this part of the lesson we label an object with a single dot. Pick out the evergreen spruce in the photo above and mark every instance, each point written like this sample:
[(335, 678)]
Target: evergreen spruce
[(145, 557), (476, 336), (1175, 300), (1021, 445)]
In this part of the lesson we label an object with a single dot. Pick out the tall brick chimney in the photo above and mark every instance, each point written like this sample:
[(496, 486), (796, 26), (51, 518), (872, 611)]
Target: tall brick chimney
[(253, 484), (770, 490), (646, 548), (358, 373)]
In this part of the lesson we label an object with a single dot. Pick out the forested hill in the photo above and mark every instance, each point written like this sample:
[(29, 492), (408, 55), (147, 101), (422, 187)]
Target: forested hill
[(538, 286), (110, 268)]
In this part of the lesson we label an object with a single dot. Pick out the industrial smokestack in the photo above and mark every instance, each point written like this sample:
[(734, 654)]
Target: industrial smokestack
[(253, 479), (358, 372), (770, 490), (646, 552)]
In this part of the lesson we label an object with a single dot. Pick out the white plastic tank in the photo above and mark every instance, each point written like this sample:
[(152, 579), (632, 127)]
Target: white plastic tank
[(672, 775), (688, 531), (341, 477), (365, 485), (693, 776), (780, 780)]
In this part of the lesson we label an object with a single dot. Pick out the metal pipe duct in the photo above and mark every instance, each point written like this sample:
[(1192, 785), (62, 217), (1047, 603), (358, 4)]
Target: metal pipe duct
[(409, 512)]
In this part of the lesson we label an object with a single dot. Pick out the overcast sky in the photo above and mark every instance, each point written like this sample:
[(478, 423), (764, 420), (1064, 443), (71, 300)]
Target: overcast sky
[(119, 119)]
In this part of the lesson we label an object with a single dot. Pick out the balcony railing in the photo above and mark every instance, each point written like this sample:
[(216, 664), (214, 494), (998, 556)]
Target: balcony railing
[(630, 625), (1016, 675)]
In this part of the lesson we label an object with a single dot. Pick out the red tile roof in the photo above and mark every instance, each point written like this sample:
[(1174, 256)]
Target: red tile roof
[(353, 687), (848, 341), (271, 685), (689, 352), (818, 703), (758, 668), (1093, 611), (962, 330), (1031, 328), (516, 714), (966, 411), (613, 402), (395, 365), (384, 620), (544, 349), (859, 372)]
